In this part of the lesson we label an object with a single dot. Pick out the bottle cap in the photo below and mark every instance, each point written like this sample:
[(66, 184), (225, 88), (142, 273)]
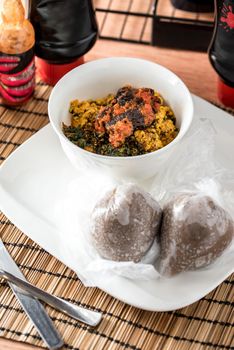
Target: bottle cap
[(225, 94), (50, 73)]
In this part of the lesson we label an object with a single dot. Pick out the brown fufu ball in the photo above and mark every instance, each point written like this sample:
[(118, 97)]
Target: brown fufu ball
[(124, 223), (195, 231)]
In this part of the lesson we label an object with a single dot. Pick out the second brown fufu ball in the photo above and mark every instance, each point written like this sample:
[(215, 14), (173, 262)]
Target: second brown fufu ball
[(195, 231)]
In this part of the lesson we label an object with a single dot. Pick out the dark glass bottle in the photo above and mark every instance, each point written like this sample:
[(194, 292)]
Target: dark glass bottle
[(65, 31), (194, 5), (221, 50)]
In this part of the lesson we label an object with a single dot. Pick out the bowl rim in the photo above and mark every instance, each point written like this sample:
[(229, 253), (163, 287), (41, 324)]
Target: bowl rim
[(124, 158)]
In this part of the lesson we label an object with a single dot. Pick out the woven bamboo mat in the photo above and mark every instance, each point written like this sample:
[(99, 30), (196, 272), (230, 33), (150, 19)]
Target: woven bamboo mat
[(207, 324)]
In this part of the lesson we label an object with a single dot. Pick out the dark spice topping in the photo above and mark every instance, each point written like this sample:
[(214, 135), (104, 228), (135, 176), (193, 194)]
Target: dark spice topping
[(134, 115), (135, 105), (125, 96)]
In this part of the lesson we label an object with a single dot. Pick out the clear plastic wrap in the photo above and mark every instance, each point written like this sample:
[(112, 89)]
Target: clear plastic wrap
[(194, 233), (192, 169), (76, 217), (197, 195), (125, 223)]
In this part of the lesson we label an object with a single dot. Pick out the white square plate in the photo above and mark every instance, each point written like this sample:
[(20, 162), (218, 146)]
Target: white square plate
[(32, 180)]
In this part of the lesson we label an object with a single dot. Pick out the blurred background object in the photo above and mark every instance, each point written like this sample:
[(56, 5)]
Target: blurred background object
[(65, 31), (154, 22), (221, 50), (179, 29), (194, 5), (176, 24)]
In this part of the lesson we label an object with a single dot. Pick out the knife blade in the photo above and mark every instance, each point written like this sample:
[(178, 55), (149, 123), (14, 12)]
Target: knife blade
[(31, 305)]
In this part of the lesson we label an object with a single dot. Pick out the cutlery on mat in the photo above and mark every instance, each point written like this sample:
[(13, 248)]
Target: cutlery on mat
[(33, 308), (91, 318)]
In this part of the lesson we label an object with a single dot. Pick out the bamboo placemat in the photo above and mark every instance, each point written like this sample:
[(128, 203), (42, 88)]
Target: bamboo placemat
[(207, 324)]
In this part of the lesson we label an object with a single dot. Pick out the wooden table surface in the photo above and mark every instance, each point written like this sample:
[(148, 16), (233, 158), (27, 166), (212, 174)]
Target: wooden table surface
[(192, 67)]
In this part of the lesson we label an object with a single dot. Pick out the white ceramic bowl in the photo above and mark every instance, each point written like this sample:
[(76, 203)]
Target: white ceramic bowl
[(97, 79)]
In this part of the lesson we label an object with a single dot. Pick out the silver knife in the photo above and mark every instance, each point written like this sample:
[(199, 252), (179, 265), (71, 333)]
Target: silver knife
[(89, 317), (31, 305)]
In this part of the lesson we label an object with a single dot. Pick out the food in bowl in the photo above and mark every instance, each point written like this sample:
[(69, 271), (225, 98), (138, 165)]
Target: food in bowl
[(125, 223), (195, 232), (132, 122), (99, 78)]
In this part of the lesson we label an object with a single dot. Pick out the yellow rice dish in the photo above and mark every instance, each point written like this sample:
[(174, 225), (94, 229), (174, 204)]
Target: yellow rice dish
[(132, 122)]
